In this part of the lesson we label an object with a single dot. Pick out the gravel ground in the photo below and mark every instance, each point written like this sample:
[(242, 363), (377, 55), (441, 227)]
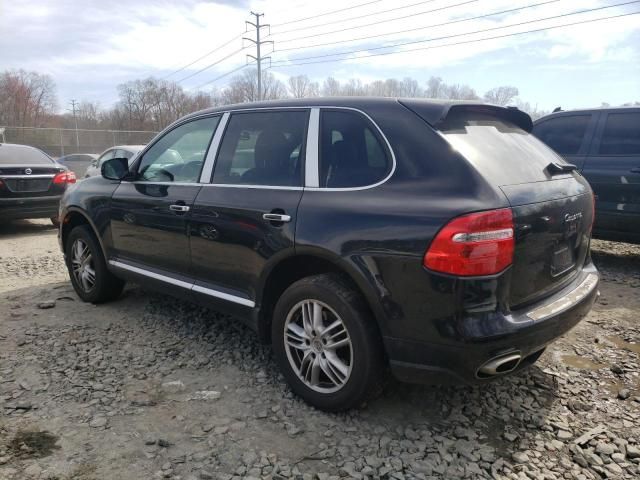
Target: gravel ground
[(151, 387)]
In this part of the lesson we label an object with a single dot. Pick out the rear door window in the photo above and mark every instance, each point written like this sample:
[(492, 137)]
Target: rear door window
[(352, 153), (621, 135), (263, 148), (564, 134)]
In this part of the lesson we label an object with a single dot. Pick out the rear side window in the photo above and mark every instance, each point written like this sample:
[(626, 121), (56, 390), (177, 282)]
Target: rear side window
[(621, 135), (352, 154), (263, 148), (10, 154), (564, 134)]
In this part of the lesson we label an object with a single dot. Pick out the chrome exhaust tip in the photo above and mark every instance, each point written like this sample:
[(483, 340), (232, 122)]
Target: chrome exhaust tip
[(499, 365)]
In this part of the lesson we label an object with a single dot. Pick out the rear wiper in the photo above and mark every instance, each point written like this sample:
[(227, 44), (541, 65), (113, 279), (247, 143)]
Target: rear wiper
[(556, 168)]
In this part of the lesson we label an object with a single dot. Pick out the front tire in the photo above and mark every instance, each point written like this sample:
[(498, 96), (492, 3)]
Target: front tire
[(91, 279), (327, 343)]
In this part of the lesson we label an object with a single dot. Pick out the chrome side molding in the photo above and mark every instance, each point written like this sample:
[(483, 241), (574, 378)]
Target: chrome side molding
[(180, 283)]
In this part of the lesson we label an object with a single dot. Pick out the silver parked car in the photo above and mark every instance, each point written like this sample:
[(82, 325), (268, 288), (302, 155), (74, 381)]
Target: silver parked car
[(120, 151), (78, 162)]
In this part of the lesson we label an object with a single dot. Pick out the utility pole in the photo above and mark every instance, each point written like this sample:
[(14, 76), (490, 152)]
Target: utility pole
[(75, 119), (258, 43)]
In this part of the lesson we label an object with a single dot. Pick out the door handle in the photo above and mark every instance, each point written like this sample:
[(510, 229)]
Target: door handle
[(276, 217), (635, 170), (179, 208)]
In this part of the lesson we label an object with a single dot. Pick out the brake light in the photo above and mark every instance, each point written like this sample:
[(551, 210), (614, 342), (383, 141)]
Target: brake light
[(472, 245), (64, 178)]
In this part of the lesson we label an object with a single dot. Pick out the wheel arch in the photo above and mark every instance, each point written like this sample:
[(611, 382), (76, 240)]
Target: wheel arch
[(75, 217), (304, 263)]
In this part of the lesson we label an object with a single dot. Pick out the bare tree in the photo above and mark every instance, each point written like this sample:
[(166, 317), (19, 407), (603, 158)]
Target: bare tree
[(331, 87), (244, 87), (460, 92), (353, 88), (410, 88), (435, 88), (501, 95), (26, 98), (300, 86)]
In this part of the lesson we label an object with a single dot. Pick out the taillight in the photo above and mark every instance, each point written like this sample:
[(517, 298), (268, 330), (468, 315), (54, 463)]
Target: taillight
[(64, 177), (472, 245)]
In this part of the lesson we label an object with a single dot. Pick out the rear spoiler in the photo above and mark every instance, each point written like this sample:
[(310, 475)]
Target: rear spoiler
[(435, 113)]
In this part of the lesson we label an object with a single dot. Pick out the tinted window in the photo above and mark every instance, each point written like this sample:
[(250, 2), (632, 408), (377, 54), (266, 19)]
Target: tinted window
[(18, 154), (178, 155), (564, 134), (262, 148), (621, 134), (501, 151), (351, 151)]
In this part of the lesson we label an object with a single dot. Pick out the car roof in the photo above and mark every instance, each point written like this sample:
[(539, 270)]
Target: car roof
[(431, 110), (626, 108)]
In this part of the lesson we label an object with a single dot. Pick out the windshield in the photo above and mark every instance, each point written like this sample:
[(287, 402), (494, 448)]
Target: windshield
[(18, 154), (499, 149)]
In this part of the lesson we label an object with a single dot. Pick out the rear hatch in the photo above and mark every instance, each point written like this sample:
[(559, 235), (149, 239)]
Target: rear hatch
[(26, 172), (552, 205)]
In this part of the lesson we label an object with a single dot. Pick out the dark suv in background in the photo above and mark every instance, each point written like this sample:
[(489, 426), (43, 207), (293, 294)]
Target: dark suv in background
[(604, 143), (439, 238)]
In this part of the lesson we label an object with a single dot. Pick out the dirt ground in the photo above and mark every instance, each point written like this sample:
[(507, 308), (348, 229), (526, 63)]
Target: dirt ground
[(152, 387)]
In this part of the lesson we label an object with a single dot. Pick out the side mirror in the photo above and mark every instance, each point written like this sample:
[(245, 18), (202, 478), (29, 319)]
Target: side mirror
[(115, 168)]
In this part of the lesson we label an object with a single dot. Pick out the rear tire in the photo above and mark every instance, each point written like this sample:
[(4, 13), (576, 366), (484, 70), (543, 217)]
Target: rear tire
[(91, 279), (327, 344), (55, 221)]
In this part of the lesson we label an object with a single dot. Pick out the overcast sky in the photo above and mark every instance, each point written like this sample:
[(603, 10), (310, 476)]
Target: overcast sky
[(89, 47)]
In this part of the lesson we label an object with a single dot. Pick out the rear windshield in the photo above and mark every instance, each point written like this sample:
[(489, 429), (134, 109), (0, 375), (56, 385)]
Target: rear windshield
[(17, 155), (502, 152)]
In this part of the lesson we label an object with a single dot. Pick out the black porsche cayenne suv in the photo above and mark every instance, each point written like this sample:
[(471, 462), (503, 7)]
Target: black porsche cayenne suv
[(439, 239)]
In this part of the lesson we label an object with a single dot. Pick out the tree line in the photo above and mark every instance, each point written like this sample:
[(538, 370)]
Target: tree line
[(29, 99)]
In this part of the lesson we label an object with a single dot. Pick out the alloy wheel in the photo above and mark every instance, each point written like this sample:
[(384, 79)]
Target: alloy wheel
[(82, 264), (318, 346)]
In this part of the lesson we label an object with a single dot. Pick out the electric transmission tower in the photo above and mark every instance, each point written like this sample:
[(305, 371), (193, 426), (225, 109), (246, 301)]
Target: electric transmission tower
[(258, 43)]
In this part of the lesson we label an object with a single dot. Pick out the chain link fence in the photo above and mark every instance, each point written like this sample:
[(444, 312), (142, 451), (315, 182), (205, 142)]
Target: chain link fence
[(58, 142)]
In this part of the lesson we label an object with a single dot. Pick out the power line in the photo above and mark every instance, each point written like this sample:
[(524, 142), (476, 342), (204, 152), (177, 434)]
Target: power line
[(359, 17), (203, 56), (458, 34), (378, 22), (223, 76), (463, 42), (327, 13), (207, 67), (412, 29)]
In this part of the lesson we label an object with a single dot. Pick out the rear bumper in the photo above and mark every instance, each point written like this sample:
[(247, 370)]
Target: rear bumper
[(525, 333), (29, 207)]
